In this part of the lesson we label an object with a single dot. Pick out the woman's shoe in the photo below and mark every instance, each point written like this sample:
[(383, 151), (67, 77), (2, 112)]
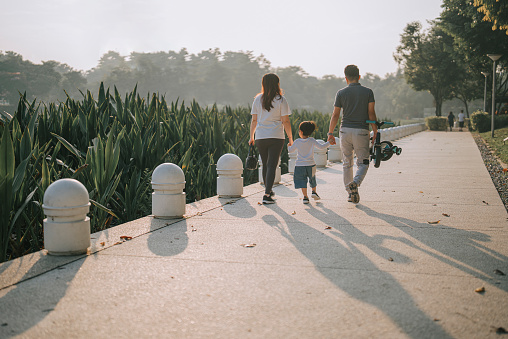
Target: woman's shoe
[(268, 200)]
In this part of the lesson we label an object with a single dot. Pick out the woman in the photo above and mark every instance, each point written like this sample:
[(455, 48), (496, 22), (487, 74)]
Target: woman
[(270, 117)]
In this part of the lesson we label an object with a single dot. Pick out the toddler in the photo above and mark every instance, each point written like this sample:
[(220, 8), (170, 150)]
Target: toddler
[(305, 168)]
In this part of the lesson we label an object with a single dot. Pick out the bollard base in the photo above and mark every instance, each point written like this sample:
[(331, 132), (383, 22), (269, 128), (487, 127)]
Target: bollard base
[(67, 238), (229, 187), (168, 206)]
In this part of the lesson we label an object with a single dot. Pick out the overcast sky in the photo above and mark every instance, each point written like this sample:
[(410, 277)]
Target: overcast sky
[(321, 36)]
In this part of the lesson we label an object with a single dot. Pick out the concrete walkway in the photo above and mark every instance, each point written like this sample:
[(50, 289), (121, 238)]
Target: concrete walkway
[(237, 269)]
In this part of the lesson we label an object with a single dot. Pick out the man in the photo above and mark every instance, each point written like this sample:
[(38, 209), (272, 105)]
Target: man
[(357, 102), (451, 120), (461, 120)]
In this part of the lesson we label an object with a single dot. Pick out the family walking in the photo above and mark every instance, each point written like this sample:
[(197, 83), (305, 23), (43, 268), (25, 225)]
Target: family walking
[(270, 118)]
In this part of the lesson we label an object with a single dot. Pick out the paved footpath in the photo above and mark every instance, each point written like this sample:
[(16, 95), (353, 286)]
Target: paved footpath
[(236, 269)]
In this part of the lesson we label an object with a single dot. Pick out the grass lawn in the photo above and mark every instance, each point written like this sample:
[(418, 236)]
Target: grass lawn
[(496, 143)]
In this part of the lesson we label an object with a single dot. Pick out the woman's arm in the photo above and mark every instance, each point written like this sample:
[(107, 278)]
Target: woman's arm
[(253, 125), (287, 127)]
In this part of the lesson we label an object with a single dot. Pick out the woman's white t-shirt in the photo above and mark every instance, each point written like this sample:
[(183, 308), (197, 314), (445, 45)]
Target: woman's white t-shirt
[(269, 123)]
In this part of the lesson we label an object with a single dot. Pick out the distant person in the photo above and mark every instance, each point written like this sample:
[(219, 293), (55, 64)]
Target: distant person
[(461, 120), (270, 118), (305, 166), (451, 120), (358, 103)]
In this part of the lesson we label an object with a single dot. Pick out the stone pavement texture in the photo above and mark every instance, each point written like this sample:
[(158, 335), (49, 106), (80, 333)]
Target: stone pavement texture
[(331, 269)]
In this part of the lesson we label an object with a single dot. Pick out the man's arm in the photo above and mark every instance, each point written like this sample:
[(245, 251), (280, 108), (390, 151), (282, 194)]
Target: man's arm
[(372, 117), (333, 123)]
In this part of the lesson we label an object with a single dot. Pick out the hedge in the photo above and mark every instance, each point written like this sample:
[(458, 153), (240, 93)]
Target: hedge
[(436, 123)]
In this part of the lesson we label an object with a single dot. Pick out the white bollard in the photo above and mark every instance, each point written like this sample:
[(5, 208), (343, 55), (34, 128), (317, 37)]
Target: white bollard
[(292, 161), (320, 155), (229, 179), (334, 151), (67, 227), (168, 197), (278, 173)]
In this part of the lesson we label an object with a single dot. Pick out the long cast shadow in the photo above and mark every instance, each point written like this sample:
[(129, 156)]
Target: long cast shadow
[(26, 303), (365, 282), (463, 246)]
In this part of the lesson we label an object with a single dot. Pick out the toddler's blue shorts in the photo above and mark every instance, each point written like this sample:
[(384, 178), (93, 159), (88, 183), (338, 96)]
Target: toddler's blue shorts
[(303, 174)]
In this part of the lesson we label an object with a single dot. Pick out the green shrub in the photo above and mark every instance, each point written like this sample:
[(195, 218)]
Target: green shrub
[(436, 123), (500, 121), (480, 121)]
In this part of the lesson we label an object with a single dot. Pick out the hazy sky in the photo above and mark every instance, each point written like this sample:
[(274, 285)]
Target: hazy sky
[(321, 36)]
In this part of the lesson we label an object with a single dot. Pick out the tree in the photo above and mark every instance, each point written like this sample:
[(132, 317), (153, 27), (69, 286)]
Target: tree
[(473, 39), (494, 11), (427, 61)]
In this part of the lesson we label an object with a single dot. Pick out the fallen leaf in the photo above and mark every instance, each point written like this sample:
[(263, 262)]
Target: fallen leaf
[(294, 212), (498, 272), (259, 203), (486, 203), (480, 290), (103, 243), (434, 222), (436, 319), (505, 169), (248, 245), (446, 215), (328, 227), (194, 230), (390, 259), (125, 237), (421, 191), (118, 243)]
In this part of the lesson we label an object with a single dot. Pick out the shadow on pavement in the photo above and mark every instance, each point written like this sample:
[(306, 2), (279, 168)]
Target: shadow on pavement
[(365, 283), (25, 304), (174, 241), (462, 246)]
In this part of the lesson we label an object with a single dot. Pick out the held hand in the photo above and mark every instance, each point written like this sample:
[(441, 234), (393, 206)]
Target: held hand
[(374, 137), (290, 142), (331, 139), (251, 141)]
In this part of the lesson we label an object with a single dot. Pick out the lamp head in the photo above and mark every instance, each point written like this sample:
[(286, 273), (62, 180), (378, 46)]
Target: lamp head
[(494, 57), (485, 74)]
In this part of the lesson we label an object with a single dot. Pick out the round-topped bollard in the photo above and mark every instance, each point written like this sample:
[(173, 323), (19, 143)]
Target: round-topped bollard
[(67, 226), (334, 151), (292, 161), (229, 179), (320, 155), (278, 173), (168, 197)]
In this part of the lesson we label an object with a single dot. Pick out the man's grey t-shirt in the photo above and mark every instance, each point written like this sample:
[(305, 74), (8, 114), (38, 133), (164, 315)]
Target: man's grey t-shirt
[(354, 101)]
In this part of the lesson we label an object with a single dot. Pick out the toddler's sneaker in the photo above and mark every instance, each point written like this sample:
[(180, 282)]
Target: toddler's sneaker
[(268, 200), (315, 196), (353, 188), (305, 200), (349, 198)]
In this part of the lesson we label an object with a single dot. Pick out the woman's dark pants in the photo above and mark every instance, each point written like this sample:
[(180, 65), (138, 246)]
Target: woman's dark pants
[(269, 150)]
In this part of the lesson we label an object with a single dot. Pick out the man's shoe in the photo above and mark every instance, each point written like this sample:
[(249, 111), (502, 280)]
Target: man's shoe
[(305, 200), (272, 194), (268, 200), (315, 196), (353, 188)]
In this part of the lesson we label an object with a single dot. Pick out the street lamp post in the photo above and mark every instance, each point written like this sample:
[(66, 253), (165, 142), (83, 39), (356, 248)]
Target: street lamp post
[(485, 74), (494, 58)]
